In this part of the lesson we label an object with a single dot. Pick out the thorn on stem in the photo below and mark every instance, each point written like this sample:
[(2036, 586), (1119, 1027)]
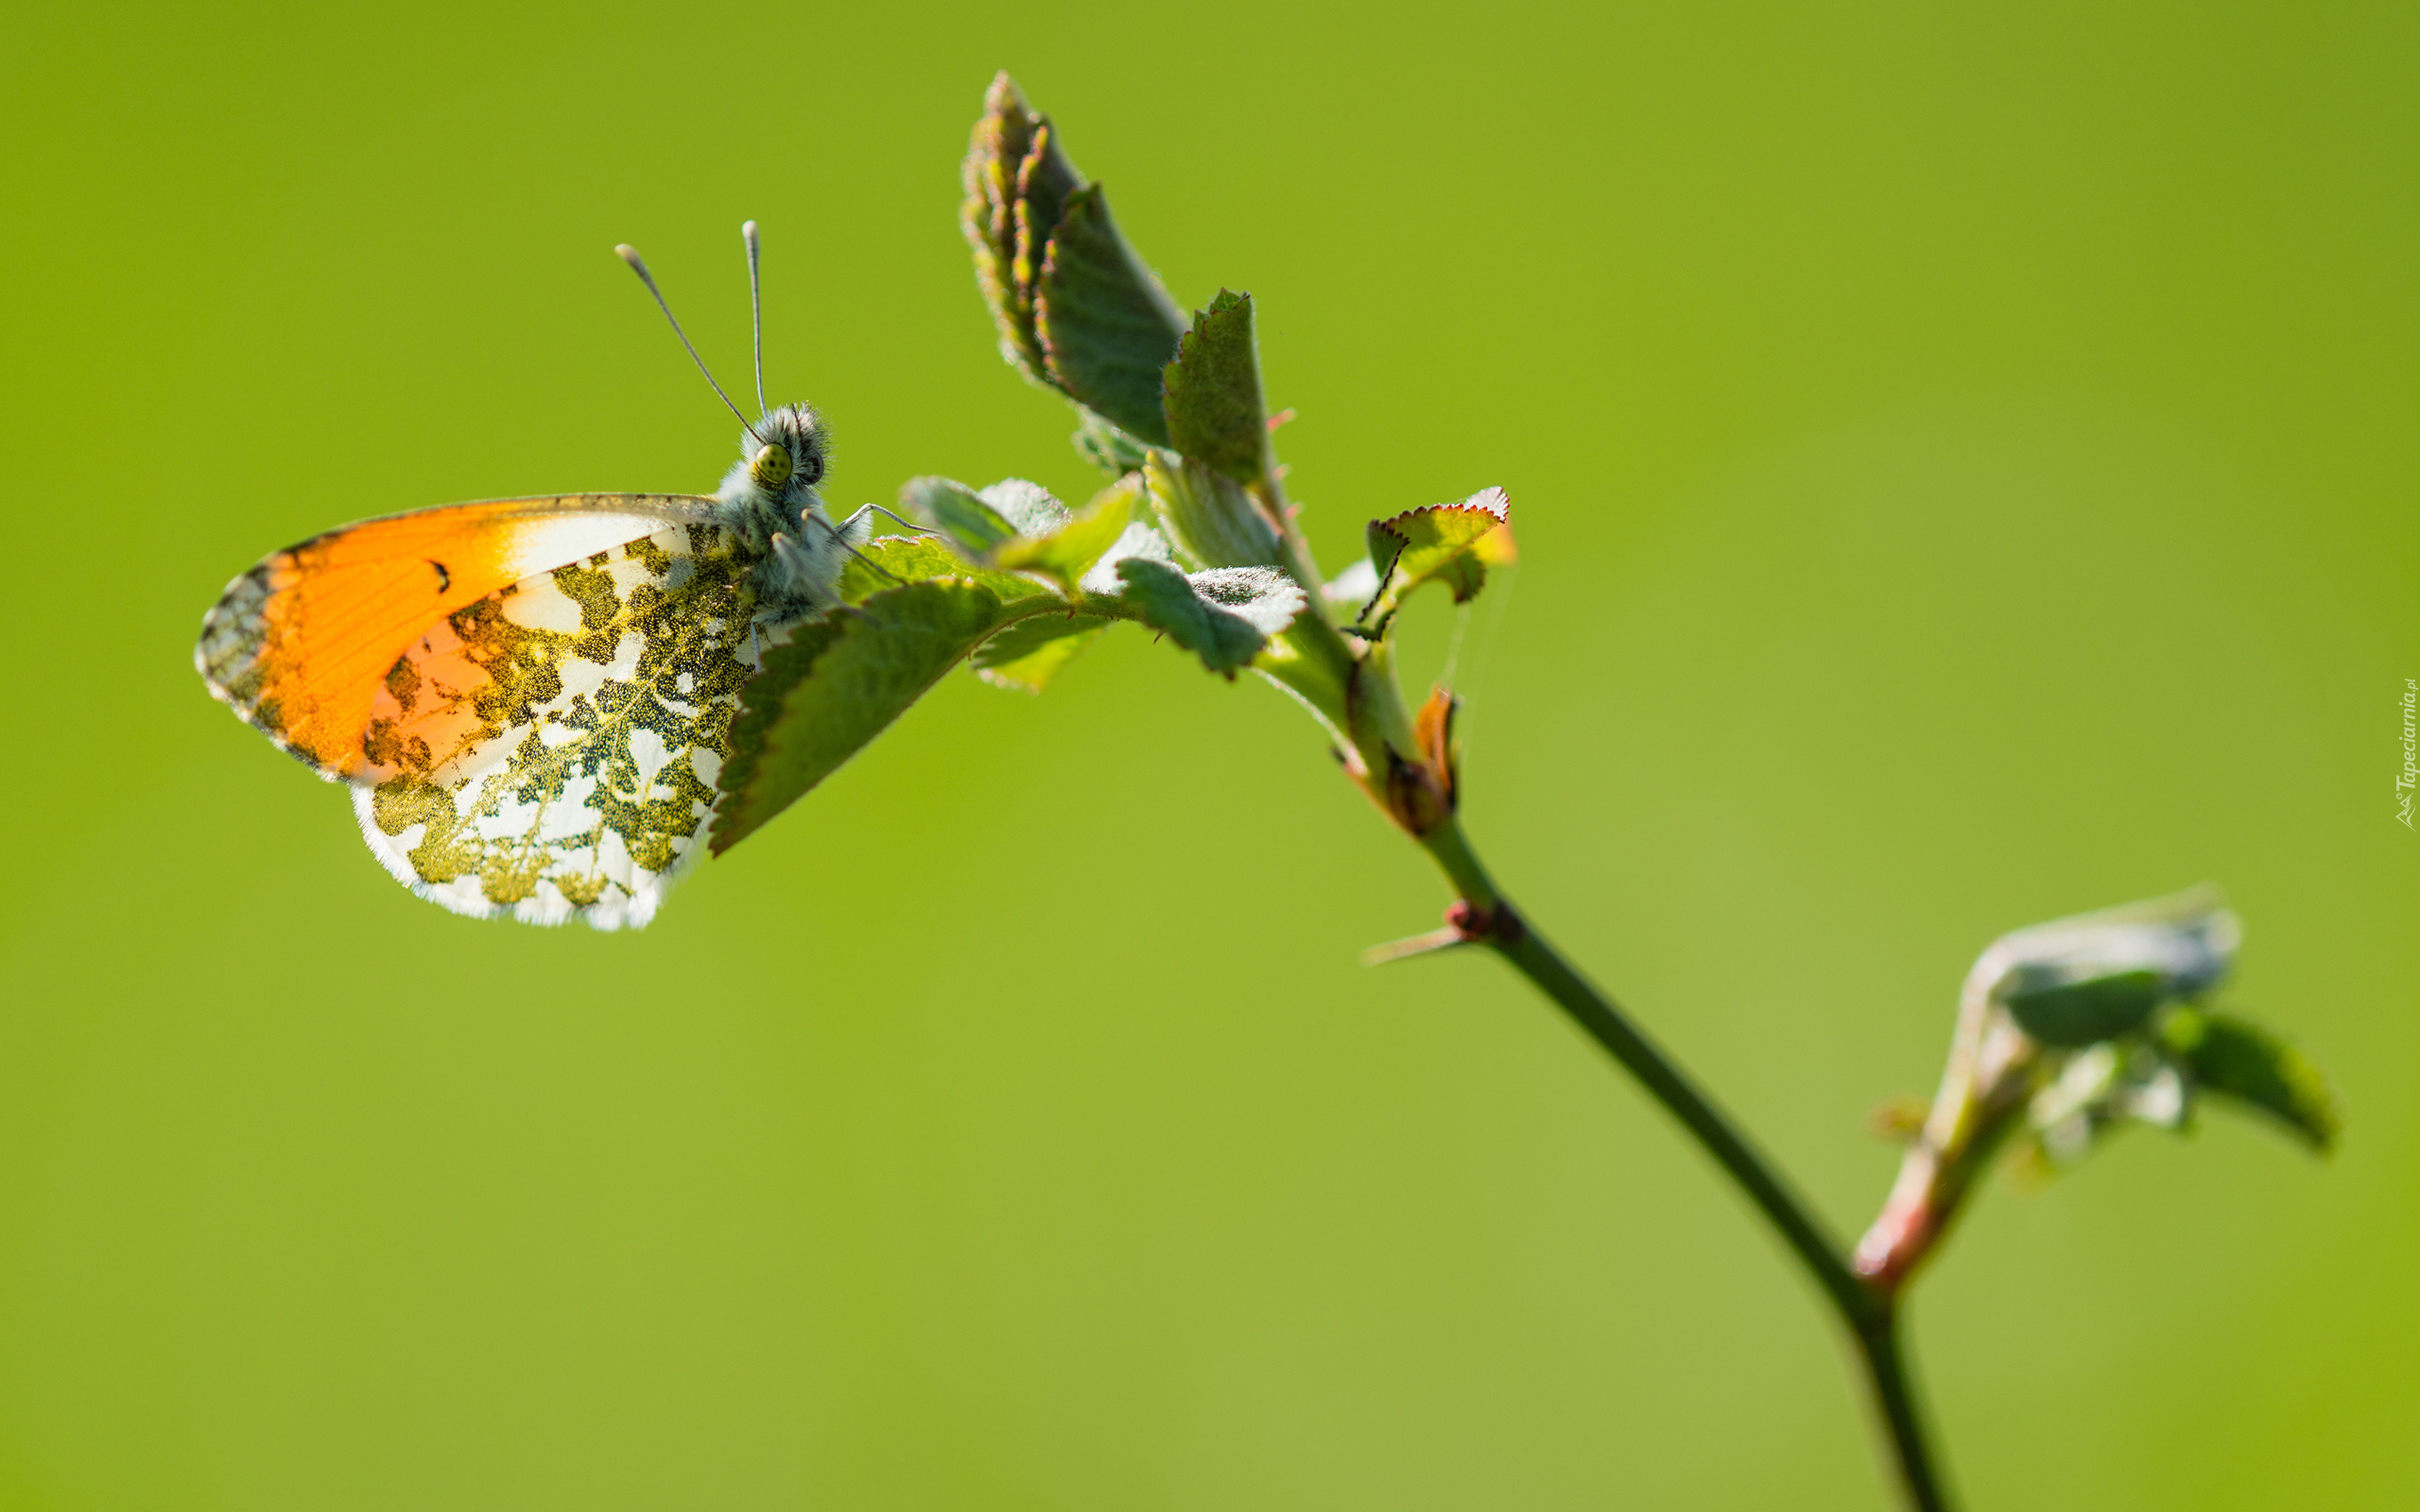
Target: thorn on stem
[(1466, 924), (1436, 939)]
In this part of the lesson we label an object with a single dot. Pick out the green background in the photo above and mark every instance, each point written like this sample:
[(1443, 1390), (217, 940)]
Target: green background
[(1963, 455)]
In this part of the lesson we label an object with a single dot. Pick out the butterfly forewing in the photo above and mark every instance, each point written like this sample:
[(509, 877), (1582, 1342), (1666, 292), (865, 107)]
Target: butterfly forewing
[(550, 751), (300, 644)]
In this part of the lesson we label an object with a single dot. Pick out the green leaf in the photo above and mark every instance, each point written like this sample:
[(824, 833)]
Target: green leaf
[(2070, 1015), (957, 511), (1105, 446), (1223, 616), (1262, 597), (1208, 517), (2243, 1061), (1029, 653), (1029, 507), (888, 562), (1137, 540), (1014, 526), (1107, 327), (1436, 542), (1000, 157), (836, 686), (2102, 1088), (1212, 392), (1046, 181), (1069, 551)]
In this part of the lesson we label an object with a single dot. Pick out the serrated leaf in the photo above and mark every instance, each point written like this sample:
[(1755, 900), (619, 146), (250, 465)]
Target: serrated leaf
[(783, 665), (836, 686), (1003, 143), (2074, 1014), (1223, 617), (1211, 393), (1429, 543), (1046, 181), (957, 511), (1067, 553), (1107, 328), (1029, 653), (1207, 516), (2243, 1061), (889, 562)]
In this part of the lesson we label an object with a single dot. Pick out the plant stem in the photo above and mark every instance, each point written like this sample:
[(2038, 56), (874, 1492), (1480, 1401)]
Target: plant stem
[(1895, 1399), (1871, 1316)]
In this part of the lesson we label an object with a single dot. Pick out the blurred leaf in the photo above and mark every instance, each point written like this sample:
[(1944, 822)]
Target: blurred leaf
[(1223, 617), (1107, 327), (1433, 728), (889, 562), (2184, 943), (1029, 507), (1137, 541), (2243, 1061), (2074, 1014), (1015, 526), (1497, 549), (2101, 1089), (1212, 392), (1069, 552), (1355, 585), (1105, 446), (957, 511), (1029, 653), (1428, 543), (834, 687), (1899, 1118), (1207, 516)]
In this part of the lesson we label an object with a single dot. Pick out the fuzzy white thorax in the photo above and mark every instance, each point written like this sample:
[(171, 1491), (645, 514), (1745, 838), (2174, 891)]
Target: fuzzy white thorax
[(802, 549)]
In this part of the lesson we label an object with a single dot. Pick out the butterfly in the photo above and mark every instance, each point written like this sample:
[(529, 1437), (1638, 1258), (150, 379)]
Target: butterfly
[(531, 698)]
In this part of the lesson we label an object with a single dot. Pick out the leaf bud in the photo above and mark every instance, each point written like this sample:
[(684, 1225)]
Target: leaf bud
[(2099, 976), (1077, 308)]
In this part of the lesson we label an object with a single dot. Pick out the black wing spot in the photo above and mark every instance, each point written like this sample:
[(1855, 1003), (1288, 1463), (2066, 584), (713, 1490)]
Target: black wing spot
[(444, 578)]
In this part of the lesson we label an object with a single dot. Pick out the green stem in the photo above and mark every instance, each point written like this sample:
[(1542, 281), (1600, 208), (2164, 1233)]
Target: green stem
[(1871, 1316), (1895, 1399)]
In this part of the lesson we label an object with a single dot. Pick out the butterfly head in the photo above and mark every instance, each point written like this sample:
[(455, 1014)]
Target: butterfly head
[(786, 452)]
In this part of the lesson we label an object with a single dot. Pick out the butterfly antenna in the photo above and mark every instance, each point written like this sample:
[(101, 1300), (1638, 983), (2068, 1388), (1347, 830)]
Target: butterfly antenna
[(922, 530), (755, 310), (631, 254)]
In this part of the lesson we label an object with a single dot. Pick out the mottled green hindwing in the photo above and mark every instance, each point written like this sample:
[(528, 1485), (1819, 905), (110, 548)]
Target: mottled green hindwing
[(551, 752)]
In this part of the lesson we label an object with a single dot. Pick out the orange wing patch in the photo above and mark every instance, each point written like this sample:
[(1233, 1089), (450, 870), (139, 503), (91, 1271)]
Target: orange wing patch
[(300, 645)]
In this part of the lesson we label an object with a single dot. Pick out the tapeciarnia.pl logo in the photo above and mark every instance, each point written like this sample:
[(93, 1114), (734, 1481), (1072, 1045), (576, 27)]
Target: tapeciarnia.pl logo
[(2402, 783)]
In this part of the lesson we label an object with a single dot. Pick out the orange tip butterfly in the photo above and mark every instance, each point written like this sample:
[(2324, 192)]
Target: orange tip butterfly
[(531, 698)]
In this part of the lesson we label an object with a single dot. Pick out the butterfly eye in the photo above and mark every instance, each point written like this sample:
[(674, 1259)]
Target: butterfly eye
[(769, 467)]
